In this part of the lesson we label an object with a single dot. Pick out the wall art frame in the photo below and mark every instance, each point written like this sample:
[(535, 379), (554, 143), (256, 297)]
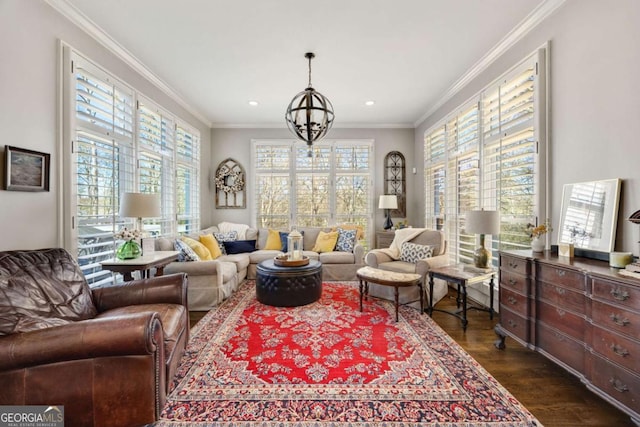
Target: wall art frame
[(26, 170), (230, 183)]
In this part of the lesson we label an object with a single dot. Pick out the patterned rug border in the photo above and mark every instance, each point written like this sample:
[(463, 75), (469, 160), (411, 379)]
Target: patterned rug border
[(216, 320)]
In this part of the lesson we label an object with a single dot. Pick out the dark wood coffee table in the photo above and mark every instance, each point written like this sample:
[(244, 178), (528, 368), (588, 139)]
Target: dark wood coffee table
[(281, 286)]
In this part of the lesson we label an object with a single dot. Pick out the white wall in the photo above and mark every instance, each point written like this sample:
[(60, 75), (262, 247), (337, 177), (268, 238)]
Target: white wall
[(29, 34), (594, 101), (236, 143)]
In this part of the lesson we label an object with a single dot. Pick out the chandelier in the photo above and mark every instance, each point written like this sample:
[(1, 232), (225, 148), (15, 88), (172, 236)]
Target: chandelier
[(309, 114)]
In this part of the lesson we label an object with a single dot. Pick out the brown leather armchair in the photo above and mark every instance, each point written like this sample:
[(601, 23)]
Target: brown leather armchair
[(108, 355)]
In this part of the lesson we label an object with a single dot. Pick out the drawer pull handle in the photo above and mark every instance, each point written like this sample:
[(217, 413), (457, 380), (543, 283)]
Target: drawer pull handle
[(512, 323), (560, 273), (560, 337), (618, 385), (511, 300), (512, 282), (619, 350), (620, 295), (618, 321), (513, 264), (560, 291)]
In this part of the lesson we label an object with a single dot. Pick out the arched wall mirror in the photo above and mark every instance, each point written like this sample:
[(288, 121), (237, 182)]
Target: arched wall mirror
[(589, 214), (395, 181)]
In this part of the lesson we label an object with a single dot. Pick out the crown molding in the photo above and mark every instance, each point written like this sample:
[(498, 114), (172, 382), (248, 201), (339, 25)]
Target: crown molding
[(88, 26), (539, 14)]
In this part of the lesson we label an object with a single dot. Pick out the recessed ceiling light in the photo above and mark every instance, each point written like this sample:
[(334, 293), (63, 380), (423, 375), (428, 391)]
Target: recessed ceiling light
[(369, 103), (253, 103)]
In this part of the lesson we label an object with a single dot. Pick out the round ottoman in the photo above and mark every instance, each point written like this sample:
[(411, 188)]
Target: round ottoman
[(288, 286)]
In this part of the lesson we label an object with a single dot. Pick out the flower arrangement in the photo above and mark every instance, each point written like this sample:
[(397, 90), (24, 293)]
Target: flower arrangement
[(540, 230), (126, 234)]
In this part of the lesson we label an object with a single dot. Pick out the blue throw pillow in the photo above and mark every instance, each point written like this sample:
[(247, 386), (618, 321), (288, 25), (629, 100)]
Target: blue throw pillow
[(239, 246), (231, 236), (284, 241), (186, 253), (346, 240)]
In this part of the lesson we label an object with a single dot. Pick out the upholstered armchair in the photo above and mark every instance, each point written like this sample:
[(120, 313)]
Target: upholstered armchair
[(108, 355), (413, 250)]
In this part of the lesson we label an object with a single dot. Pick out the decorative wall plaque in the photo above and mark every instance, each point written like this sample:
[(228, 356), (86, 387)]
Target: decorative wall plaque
[(230, 183), (395, 181)]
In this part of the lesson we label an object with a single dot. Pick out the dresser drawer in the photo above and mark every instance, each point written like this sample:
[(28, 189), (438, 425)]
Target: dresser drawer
[(622, 350), (515, 265), (562, 297), (515, 302), (562, 347), (617, 382), (514, 324), (616, 319), (562, 319), (562, 277), (616, 292), (514, 281)]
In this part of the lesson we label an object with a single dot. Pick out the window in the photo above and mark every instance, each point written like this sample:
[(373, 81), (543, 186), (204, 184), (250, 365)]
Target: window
[(486, 155), (331, 187), (120, 145)]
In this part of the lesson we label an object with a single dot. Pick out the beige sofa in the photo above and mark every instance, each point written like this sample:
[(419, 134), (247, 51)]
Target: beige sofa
[(211, 282), (390, 259)]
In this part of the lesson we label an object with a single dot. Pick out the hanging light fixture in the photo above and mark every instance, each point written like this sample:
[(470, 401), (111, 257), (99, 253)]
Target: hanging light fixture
[(309, 114)]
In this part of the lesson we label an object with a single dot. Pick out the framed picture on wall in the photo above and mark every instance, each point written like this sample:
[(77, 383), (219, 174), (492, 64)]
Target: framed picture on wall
[(25, 170)]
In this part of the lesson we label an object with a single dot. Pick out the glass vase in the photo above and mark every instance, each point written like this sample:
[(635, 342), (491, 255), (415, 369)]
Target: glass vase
[(128, 250)]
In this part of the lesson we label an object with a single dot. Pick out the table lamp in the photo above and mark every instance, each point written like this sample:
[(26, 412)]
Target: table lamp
[(388, 202), (482, 222), (139, 205)]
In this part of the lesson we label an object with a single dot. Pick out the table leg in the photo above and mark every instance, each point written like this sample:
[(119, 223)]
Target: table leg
[(463, 287), (361, 292), (430, 306), (421, 297), (491, 298), (397, 295), (127, 276)]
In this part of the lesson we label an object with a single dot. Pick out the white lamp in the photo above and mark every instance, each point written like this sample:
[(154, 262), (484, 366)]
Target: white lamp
[(482, 222), (388, 202), (139, 205)]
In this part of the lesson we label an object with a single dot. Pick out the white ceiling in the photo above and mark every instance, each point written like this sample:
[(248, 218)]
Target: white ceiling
[(216, 55)]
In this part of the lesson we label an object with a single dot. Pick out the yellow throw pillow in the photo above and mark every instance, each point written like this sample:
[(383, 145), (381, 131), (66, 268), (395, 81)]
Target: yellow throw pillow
[(198, 248), (273, 241), (326, 242), (210, 242)]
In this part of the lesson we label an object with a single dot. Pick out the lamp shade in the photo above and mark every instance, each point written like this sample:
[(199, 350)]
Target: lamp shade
[(483, 222), (139, 205), (388, 201)]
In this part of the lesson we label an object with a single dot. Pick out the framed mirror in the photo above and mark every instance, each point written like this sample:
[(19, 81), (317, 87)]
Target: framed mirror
[(589, 214)]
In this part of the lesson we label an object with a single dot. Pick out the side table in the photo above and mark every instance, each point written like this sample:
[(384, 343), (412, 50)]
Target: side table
[(144, 264), (462, 276), (384, 238)]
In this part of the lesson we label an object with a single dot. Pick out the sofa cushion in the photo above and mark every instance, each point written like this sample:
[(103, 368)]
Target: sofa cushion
[(40, 289), (185, 252), (434, 238), (262, 254), (229, 236), (200, 249), (346, 240), (273, 240), (240, 260), (399, 266), (240, 246), (412, 252), (212, 244), (337, 257), (326, 242)]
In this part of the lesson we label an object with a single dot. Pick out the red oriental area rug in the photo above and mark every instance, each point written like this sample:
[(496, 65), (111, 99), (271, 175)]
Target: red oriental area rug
[(327, 364)]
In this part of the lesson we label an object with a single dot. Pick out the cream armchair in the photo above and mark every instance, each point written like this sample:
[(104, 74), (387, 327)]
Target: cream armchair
[(390, 259)]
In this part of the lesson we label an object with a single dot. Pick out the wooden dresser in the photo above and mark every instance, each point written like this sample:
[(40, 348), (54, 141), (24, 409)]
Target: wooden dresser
[(580, 314)]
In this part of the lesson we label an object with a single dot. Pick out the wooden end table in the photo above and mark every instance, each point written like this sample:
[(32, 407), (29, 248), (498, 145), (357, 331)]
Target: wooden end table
[(462, 276), (144, 264)]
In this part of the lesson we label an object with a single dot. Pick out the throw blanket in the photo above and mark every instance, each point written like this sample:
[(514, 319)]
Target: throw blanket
[(402, 235), (241, 229)]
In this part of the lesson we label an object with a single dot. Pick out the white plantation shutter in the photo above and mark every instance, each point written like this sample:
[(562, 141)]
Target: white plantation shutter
[(510, 153), (331, 187), (103, 163), (187, 179), (156, 169), (486, 156)]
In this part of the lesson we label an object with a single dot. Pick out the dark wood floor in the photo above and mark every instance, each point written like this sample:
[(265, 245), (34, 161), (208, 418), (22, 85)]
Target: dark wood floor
[(555, 397)]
